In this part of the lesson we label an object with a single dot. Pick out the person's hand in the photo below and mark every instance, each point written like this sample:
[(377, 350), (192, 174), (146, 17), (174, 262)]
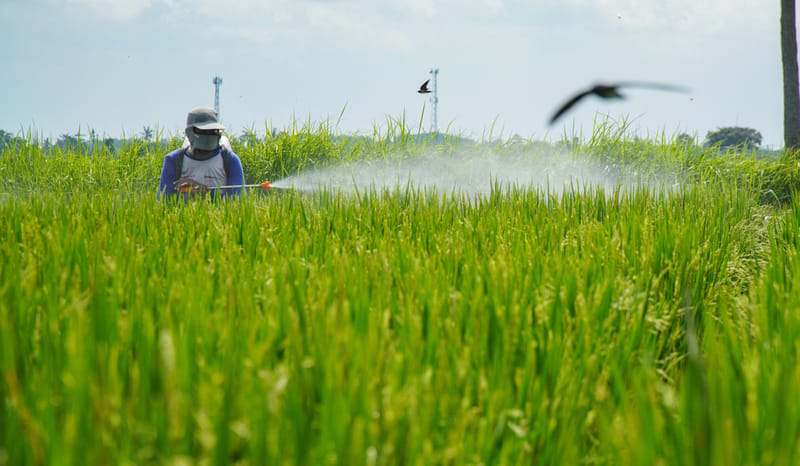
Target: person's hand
[(188, 185)]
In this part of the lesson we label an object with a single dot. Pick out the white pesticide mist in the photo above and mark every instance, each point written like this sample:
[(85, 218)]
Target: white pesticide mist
[(474, 173)]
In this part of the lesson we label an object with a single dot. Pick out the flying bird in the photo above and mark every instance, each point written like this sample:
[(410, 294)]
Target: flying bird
[(611, 91), (424, 88)]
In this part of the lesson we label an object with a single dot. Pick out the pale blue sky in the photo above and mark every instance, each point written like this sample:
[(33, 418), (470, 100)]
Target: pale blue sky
[(120, 65)]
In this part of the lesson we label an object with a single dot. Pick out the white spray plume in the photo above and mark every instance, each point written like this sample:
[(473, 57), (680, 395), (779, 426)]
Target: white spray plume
[(473, 173)]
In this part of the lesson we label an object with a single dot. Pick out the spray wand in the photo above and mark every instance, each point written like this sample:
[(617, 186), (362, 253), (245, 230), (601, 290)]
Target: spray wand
[(265, 185)]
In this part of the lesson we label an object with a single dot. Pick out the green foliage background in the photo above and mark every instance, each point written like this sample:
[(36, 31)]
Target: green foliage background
[(403, 326)]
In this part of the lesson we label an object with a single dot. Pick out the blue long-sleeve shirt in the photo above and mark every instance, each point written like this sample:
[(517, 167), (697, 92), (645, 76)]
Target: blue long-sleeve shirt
[(209, 172)]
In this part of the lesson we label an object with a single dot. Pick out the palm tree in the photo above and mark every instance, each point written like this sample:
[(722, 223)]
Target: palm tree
[(791, 89)]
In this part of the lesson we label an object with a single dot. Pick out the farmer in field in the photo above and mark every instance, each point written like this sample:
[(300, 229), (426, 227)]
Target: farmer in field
[(203, 164)]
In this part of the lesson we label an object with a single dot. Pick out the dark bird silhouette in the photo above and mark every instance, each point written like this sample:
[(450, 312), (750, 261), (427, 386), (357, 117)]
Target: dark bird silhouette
[(611, 91), (424, 88)]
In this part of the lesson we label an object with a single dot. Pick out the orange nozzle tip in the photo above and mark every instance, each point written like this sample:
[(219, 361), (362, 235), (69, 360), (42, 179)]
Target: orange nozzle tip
[(266, 185)]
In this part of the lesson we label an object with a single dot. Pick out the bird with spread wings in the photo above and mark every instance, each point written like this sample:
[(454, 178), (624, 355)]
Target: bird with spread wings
[(611, 91), (423, 89)]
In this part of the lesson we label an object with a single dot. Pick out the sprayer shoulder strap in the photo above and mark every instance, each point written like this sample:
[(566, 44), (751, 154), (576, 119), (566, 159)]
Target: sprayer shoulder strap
[(226, 161), (179, 162)]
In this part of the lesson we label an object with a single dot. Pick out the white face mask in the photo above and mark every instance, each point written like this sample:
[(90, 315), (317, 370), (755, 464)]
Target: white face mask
[(204, 142)]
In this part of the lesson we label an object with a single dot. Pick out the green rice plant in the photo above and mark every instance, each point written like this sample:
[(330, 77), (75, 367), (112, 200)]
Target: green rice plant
[(632, 324)]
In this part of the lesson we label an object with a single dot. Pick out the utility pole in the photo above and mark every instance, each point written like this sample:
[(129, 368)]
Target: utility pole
[(217, 81), (435, 100)]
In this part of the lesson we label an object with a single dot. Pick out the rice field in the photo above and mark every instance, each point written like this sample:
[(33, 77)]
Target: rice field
[(625, 323)]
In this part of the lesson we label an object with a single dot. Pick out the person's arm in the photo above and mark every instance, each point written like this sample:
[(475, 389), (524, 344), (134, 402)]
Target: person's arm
[(166, 187)]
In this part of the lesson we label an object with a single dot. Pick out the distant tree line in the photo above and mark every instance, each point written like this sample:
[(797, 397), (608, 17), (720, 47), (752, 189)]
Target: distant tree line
[(733, 137), (724, 138), (86, 143)]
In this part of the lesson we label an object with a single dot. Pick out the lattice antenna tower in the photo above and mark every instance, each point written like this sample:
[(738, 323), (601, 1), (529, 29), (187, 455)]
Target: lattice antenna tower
[(435, 100), (217, 83)]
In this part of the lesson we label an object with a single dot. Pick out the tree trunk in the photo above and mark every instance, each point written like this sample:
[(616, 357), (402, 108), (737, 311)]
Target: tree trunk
[(791, 89)]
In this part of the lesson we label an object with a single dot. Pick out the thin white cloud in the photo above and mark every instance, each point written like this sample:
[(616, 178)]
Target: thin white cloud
[(121, 10), (495, 5), (484, 6), (387, 24), (461, 7), (427, 9), (682, 15), (348, 21), (265, 12), (417, 8), (277, 9), (640, 13), (124, 10)]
